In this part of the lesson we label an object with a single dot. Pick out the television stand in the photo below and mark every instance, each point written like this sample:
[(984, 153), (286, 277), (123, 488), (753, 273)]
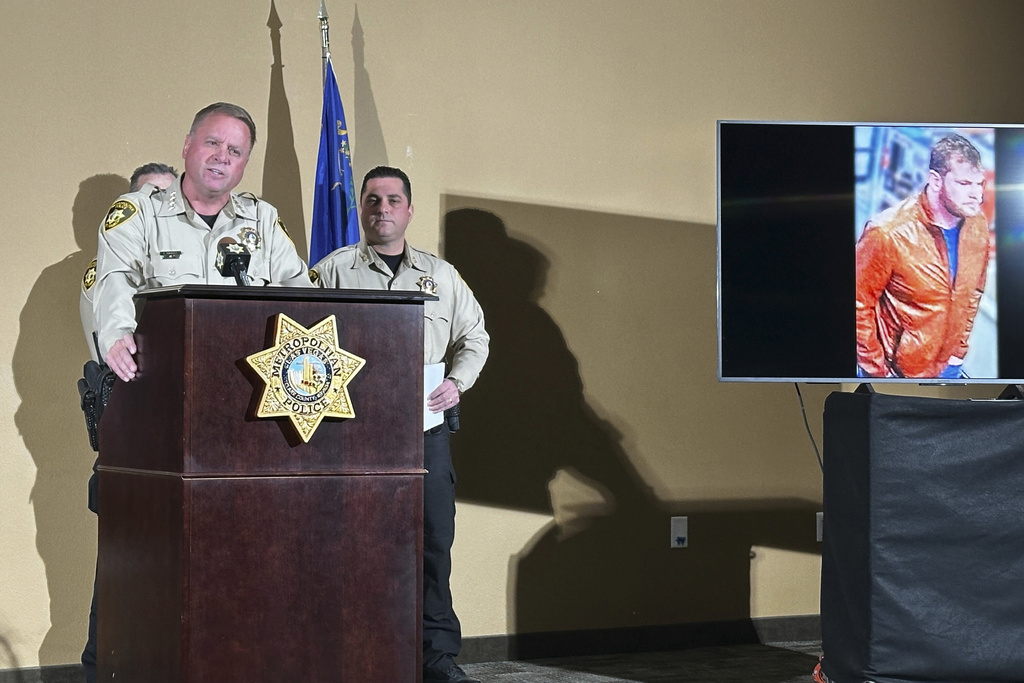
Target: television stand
[(921, 577), (1012, 392)]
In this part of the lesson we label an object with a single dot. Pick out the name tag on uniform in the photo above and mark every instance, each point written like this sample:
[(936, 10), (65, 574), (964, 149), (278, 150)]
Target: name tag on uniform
[(170, 255)]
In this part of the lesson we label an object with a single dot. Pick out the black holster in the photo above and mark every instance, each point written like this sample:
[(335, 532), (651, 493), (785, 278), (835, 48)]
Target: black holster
[(451, 416), (94, 389)]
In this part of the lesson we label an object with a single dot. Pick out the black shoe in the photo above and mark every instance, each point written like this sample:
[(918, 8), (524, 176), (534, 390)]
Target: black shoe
[(446, 671)]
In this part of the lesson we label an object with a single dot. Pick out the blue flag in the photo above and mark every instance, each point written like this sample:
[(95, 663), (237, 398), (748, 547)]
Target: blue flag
[(335, 214)]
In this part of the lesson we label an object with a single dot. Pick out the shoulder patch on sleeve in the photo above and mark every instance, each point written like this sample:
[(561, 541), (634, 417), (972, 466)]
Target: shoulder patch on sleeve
[(121, 211), (89, 279), (280, 224)]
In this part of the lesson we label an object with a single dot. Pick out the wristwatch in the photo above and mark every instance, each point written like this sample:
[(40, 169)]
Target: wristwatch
[(458, 384)]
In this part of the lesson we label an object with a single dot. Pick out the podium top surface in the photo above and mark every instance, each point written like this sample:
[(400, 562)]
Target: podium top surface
[(192, 409), (271, 293)]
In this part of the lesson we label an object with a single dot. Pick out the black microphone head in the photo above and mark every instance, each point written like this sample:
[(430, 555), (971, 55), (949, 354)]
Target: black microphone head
[(232, 257)]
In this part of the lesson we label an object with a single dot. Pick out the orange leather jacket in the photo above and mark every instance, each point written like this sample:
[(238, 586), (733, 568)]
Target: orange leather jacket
[(911, 319)]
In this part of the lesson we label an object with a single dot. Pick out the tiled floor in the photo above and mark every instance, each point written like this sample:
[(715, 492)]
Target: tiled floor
[(778, 663)]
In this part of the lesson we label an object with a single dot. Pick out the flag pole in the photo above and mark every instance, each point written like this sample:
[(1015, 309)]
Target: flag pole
[(335, 216), (325, 39)]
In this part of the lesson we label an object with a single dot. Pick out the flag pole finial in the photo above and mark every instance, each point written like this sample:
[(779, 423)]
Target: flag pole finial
[(324, 37)]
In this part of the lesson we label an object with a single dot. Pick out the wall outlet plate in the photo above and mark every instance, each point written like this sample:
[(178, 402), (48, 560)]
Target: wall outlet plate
[(679, 537)]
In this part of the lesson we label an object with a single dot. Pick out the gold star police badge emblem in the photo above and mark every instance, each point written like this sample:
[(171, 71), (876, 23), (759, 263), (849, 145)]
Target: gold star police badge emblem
[(306, 374)]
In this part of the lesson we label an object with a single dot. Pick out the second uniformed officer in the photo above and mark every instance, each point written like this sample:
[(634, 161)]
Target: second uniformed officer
[(454, 323)]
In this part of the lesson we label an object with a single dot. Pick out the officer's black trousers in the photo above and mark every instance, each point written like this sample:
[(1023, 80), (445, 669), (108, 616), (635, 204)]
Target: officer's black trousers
[(89, 653), (442, 633)]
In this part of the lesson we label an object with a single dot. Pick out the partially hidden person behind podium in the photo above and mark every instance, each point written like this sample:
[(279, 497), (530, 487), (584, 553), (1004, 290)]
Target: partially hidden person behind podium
[(159, 176), (161, 238), (921, 268), (453, 328)]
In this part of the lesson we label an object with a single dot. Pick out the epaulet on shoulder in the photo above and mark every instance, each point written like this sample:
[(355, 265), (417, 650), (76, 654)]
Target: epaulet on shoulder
[(424, 252), (145, 193), (153, 194), (342, 252), (338, 253)]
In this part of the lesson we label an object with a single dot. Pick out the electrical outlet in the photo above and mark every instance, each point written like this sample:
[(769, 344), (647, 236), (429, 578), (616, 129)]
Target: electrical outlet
[(679, 537), (819, 518)]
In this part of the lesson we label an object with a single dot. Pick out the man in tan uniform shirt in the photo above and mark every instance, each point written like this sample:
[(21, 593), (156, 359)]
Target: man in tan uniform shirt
[(161, 238), (453, 324)]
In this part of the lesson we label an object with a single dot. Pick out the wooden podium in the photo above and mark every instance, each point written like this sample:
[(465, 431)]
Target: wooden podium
[(229, 550)]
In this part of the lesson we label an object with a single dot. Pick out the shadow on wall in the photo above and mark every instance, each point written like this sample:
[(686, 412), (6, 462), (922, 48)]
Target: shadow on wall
[(47, 363), (8, 660), (368, 148), (530, 436), (530, 392), (282, 183)]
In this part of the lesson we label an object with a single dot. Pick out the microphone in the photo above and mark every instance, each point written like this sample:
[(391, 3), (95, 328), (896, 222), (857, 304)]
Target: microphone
[(233, 261)]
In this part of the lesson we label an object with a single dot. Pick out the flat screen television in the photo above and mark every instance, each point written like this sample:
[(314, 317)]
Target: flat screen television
[(867, 252)]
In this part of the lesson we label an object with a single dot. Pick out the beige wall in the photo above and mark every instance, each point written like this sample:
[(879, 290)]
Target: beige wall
[(572, 144)]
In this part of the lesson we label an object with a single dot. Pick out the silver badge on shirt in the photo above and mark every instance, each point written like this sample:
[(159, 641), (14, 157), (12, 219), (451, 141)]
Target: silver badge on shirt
[(250, 238), (427, 285)]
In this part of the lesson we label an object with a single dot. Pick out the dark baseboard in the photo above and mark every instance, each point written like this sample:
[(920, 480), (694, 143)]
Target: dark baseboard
[(64, 673), (765, 630), (477, 649), (793, 629)]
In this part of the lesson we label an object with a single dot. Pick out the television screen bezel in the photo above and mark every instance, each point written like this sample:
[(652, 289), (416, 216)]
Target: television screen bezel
[(851, 379)]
